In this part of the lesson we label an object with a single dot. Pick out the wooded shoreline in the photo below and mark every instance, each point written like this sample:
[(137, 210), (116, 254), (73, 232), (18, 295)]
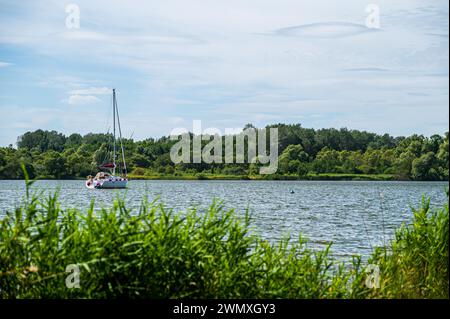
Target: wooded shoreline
[(304, 154)]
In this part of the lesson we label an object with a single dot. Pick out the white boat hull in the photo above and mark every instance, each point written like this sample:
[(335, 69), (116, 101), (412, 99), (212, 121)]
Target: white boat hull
[(115, 182)]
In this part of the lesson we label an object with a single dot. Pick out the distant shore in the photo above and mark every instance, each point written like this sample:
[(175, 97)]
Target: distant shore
[(311, 177), (303, 154)]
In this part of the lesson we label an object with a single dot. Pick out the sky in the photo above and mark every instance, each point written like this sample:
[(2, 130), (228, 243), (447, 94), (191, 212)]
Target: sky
[(226, 63)]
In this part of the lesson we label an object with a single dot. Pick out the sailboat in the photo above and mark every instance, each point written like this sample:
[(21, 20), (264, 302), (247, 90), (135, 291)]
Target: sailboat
[(109, 179)]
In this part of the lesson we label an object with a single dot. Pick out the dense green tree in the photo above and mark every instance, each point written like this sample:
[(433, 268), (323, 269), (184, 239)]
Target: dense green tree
[(443, 152), (443, 158), (424, 167), (403, 164), (302, 152), (350, 161), (327, 161), (291, 158), (42, 141), (139, 160), (74, 140), (78, 165), (102, 155), (54, 164)]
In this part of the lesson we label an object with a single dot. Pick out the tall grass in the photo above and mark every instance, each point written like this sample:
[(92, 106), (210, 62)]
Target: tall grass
[(156, 253), (417, 264)]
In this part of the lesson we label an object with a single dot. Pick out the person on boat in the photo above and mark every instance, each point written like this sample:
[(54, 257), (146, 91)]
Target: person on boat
[(90, 180)]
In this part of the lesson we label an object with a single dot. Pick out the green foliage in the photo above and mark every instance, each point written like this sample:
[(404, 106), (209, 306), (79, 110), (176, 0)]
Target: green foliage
[(327, 161), (425, 167), (290, 161), (78, 165), (417, 264), (302, 152), (54, 164), (42, 141), (153, 252)]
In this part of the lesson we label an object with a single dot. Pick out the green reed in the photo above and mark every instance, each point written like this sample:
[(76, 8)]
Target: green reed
[(416, 265)]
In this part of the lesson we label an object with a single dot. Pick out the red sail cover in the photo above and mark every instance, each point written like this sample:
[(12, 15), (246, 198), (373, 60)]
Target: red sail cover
[(111, 165)]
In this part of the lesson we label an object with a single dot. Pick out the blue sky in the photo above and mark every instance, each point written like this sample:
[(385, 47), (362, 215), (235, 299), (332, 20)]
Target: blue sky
[(226, 63)]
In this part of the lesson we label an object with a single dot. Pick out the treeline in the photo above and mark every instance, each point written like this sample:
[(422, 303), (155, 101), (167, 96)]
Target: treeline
[(302, 152)]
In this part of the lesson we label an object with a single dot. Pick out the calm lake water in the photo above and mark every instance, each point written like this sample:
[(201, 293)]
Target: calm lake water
[(349, 214)]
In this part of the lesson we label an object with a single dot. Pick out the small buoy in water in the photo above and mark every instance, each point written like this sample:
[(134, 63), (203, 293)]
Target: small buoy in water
[(292, 191)]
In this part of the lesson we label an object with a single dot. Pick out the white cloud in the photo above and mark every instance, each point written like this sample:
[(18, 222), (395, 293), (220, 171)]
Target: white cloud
[(81, 99), (4, 64), (91, 91), (87, 95), (126, 39), (325, 30)]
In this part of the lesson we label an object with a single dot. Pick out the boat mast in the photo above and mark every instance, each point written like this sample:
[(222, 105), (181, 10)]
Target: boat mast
[(114, 131), (120, 139)]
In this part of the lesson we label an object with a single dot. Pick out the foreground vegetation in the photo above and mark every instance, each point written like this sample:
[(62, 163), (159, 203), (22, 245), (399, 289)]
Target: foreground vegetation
[(303, 154), (156, 253)]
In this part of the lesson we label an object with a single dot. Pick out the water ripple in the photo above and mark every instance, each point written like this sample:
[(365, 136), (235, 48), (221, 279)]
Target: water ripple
[(349, 214)]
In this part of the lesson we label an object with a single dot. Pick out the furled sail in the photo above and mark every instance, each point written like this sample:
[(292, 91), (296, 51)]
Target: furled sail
[(108, 165)]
